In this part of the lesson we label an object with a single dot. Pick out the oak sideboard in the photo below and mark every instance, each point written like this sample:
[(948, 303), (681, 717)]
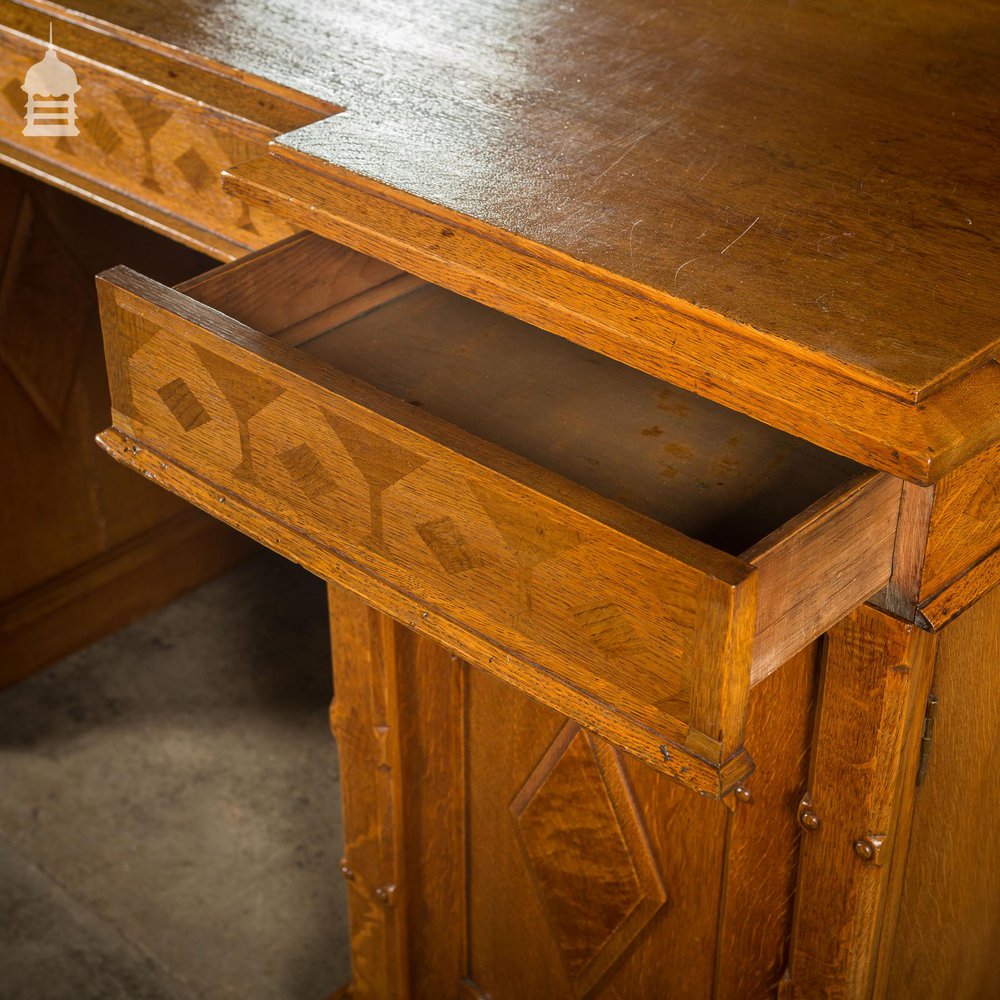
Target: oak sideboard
[(631, 374)]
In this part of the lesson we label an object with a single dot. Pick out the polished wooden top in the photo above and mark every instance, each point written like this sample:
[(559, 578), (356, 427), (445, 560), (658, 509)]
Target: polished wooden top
[(818, 179)]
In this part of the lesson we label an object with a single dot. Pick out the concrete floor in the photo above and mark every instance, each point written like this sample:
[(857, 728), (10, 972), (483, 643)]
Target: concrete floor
[(169, 806)]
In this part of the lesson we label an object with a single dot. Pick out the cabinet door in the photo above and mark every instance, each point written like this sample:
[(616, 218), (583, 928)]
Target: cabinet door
[(496, 849), (876, 676), (948, 934)]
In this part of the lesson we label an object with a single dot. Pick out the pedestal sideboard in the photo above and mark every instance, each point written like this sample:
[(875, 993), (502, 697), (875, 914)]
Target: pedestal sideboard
[(634, 385)]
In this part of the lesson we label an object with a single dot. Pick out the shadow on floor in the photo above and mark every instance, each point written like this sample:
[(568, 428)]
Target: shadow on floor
[(169, 808)]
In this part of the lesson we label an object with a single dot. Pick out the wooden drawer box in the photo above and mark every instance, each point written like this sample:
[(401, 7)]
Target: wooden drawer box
[(623, 551)]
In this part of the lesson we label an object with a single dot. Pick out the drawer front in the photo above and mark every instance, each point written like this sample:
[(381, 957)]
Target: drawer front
[(618, 622), (156, 154)]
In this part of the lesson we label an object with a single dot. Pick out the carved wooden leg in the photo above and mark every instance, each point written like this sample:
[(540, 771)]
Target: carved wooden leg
[(875, 683)]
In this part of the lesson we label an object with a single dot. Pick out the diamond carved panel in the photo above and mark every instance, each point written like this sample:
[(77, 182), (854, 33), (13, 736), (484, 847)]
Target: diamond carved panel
[(41, 340), (585, 846)]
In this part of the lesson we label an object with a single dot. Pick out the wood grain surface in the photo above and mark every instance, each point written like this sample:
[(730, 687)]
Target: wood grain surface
[(610, 893), (535, 859), (947, 544), (826, 406), (525, 560), (74, 527), (651, 163), (666, 453), (814, 568), (646, 141), (949, 919), (558, 580), (762, 849), (902, 595), (876, 676), (965, 522), (365, 719), (961, 594)]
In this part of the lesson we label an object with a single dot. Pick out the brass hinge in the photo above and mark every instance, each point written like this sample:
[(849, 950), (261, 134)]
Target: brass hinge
[(926, 739)]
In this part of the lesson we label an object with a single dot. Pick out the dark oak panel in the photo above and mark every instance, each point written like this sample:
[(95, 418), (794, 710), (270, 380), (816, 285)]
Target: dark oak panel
[(85, 547)]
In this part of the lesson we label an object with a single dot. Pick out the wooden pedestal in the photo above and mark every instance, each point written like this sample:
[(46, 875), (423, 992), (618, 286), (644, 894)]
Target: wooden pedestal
[(494, 849)]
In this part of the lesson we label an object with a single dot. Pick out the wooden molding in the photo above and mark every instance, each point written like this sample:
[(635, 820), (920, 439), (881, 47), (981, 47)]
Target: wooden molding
[(960, 594)]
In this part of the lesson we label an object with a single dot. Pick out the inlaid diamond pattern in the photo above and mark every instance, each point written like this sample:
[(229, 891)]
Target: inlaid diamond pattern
[(183, 404), (448, 545), (585, 845), (606, 626), (195, 170), (307, 471), (101, 132)]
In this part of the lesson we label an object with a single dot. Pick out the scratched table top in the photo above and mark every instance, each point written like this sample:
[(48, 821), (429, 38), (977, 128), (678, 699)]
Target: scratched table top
[(824, 174)]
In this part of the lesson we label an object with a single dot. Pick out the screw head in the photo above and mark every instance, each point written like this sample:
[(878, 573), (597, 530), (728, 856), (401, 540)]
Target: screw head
[(864, 850), (869, 848), (809, 820)]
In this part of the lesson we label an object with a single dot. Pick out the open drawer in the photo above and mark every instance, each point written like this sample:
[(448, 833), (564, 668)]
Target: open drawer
[(623, 551)]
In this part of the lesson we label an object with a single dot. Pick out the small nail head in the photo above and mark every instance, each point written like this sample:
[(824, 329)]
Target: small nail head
[(869, 848), (809, 820)]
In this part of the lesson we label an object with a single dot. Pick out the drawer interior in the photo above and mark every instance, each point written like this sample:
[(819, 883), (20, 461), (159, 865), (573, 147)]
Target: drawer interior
[(709, 472)]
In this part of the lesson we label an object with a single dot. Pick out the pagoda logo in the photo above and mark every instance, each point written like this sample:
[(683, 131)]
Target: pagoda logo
[(51, 86)]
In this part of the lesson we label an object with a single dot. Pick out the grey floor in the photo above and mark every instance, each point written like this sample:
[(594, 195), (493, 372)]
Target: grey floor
[(169, 809)]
